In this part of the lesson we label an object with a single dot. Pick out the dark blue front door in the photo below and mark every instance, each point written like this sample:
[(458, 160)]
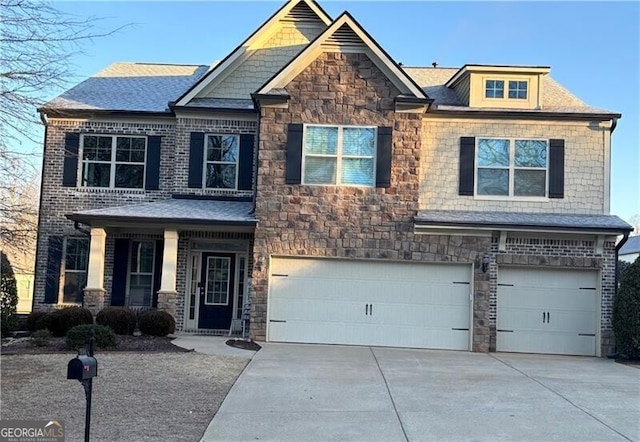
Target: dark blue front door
[(217, 290)]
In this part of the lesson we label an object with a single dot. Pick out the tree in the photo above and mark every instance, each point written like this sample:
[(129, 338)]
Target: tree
[(37, 44), (8, 296), (626, 313)]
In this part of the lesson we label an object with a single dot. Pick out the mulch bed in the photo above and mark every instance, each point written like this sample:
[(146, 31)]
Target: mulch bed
[(125, 343), (243, 344)]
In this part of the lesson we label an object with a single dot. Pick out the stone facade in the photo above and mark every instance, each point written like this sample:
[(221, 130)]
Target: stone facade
[(586, 151)]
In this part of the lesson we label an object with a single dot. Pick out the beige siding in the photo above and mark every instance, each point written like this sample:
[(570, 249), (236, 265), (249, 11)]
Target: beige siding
[(585, 145), (462, 91), (477, 97), (263, 62)]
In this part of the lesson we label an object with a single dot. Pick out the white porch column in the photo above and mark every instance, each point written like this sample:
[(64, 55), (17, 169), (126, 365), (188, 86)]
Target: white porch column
[(167, 294), (94, 291)]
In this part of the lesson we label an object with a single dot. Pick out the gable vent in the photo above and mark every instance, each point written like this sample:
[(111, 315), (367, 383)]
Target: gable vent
[(343, 37), (301, 13)]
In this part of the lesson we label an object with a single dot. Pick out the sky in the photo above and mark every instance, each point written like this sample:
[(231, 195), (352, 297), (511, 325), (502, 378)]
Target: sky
[(593, 48)]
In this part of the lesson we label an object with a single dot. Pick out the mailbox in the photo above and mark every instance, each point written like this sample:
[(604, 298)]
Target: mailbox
[(82, 368)]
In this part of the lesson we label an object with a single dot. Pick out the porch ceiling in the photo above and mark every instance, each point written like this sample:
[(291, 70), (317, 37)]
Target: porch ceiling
[(171, 212)]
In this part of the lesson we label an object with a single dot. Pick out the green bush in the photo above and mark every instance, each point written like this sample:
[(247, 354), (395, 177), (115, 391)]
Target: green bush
[(121, 320), (40, 338), (8, 296), (35, 321), (626, 313), (157, 323), (60, 321), (78, 337)]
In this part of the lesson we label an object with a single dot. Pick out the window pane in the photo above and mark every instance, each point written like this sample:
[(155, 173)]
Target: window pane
[(74, 283), (221, 176), (321, 140), (123, 149), (96, 175), (76, 254), (357, 171), (518, 89), (530, 182), (90, 148), (222, 148), (104, 149), (494, 89), (140, 288), (493, 152), (493, 182), (319, 170), (531, 153), (141, 256), (217, 290), (358, 141), (129, 176)]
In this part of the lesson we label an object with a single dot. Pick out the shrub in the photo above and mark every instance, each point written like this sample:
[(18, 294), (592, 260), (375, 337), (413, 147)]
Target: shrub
[(60, 321), (35, 321), (8, 296), (157, 323), (40, 338), (626, 313), (121, 320), (78, 337)]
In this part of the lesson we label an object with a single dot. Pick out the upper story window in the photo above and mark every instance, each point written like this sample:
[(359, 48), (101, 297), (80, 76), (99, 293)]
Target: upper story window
[(511, 167), (518, 90), (494, 89), (221, 162), (76, 258), (113, 161), (339, 155)]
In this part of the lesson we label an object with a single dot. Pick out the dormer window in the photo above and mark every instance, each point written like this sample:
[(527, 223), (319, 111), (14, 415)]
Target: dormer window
[(494, 89), (518, 90)]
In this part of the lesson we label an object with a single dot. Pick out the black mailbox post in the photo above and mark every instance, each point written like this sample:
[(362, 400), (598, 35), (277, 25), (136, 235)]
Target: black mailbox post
[(84, 368)]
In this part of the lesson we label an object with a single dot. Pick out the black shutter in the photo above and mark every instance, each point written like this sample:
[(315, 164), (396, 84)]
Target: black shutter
[(152, 180), (54, 260), (120, 263), (294, 154), (196, 159), (157, 271), (556, 168), (70, 169), (383, 157), (467, 165), (245, 162)]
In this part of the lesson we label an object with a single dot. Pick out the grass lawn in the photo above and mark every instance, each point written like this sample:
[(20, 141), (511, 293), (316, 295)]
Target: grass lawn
[(136, 396)]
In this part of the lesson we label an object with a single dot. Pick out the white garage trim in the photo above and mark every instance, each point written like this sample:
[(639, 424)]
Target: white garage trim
[(548, 310), (370, 302)]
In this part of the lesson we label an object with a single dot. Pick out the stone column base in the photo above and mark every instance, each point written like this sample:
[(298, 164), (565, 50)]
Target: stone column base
[(94, 300), (167, 301)]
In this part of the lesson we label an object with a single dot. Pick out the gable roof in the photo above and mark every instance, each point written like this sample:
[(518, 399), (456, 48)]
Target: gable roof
[(133, 87), (292, 9), (631, 246), (345, 31)]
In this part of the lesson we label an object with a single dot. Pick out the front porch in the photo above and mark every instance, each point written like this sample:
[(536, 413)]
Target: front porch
[(190, 258)]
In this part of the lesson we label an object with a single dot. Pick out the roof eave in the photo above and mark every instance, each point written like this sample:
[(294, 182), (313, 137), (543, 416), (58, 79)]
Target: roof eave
[(522, 227), (108, 219), (534, 114), (80, 113)]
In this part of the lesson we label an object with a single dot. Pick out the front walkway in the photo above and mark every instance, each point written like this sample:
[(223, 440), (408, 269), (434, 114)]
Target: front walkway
[(322, 393), (210, 345)]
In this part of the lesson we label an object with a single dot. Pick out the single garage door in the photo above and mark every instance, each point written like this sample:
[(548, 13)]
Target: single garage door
[(547, 311), (396, 304)]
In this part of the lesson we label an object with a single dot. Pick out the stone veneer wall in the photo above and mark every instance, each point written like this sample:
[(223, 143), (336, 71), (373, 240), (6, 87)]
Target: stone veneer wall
[(349, 222), (586, 144), (543, 252)]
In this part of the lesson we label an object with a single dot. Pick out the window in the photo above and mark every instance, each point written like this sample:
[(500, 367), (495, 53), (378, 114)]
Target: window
[(518, 90), (76, 255), (141, 261), (218, 279), (339, 155), (221, 162), (494, 89), (511, 167), (113, 161)]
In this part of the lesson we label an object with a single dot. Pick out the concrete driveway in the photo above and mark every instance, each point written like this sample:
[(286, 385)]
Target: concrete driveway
[(293, 392)]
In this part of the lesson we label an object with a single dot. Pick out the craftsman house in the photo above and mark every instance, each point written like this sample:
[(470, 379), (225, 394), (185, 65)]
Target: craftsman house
[(352, 200)]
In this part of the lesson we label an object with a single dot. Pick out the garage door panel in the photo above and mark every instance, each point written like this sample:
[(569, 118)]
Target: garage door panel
[(547, 310), (369, 303)]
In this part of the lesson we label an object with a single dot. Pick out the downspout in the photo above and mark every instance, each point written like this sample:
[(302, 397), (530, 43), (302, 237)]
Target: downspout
[(614, 123), (622, 242)]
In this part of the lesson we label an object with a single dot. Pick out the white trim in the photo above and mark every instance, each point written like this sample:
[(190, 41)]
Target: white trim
[(399, 78), (206, 162), (241, 51), (130, 273), (193, 323), (507, 70), (206, 281)]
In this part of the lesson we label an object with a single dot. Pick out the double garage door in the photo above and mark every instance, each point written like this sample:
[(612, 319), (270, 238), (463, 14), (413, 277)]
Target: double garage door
[(377, 303), (551, 311)]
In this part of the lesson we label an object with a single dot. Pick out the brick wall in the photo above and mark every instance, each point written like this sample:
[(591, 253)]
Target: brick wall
[(349, 222), (585, 145)]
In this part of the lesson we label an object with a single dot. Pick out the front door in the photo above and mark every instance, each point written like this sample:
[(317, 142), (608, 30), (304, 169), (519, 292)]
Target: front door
[(216, 290)]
